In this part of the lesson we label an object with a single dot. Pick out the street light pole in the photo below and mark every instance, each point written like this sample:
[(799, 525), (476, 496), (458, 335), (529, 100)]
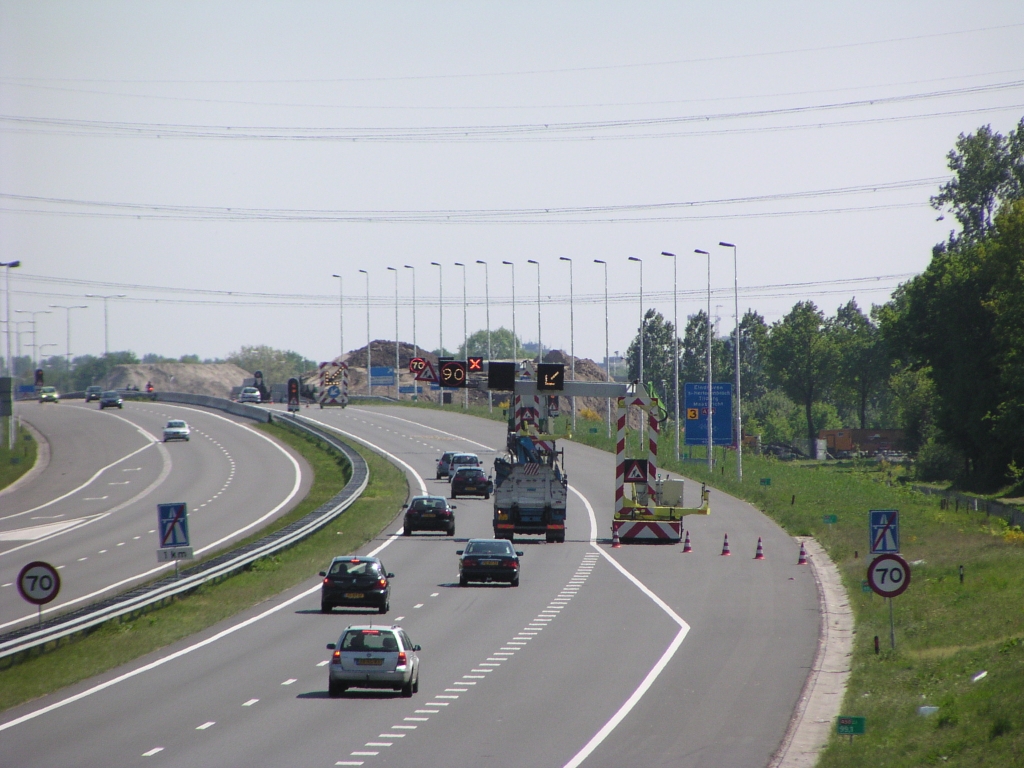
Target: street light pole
[(106, 339), (487, 304), (35, 349), (540, 345), (67, 310), (739, 419), (675, 338), (607, 358), (711, 401), (572, 342), (440, 308), (8, 266), (369, 359), (640, 387), (398, 395), (465, 330), (515, 339), (341, 314), (415, 348)]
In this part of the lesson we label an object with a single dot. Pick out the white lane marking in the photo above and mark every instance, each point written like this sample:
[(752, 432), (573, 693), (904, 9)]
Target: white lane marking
[(205, 725), (125, 482), (357, 754), (434, 594), (416, 719), (395, 735), (349, 762), (418, 605), (39, 531), (250, 702), (90, 498), (152, 751), (289, 681), (427, 426), (324, 663), (655, 671), (428, 711), (406, 727), (450, 696), (185, 651), (377, 744)]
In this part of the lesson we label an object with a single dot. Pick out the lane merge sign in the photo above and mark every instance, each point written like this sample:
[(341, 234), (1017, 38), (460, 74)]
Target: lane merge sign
[(889, 575), (38, 582), (174, 539), (885, 531)]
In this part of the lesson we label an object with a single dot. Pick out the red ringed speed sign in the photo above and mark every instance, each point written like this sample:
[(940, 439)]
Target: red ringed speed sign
[(889, 575), (417, 364), (39, 582)]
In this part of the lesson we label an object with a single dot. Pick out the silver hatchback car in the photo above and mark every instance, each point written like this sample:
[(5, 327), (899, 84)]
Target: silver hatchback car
[(374, 657)]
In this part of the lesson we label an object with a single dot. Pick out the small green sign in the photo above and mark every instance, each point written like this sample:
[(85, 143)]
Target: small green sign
[(766, 481), (864, 586), (850, 726), (593, 430), (830, 519)]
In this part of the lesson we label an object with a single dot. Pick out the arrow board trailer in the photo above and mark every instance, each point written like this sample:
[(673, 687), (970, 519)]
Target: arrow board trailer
[(333, 384), (653, 510)]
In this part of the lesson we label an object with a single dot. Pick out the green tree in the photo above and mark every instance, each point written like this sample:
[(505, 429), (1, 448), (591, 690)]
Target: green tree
[(501, 345), (658, 350), (694, 352), (277, 365), (863, 364), (801, 359)]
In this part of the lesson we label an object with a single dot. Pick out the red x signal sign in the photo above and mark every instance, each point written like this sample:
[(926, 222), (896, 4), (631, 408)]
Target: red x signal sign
[(475, 364)]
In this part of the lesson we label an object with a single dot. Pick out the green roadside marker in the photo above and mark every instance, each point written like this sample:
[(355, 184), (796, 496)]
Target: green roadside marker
[(850, 726), (830, 519), (766, 481)]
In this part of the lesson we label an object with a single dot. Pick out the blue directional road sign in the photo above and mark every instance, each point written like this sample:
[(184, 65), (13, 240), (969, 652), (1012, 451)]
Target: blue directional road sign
[(173, 525), (697, 414), (382, 376), (885, 531)]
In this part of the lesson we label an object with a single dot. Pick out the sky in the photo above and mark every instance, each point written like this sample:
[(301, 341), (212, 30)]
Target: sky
[(217, 163)]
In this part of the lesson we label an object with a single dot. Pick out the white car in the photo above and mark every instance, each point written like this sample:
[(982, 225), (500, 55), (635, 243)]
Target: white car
[(176, 429), (249, 395)]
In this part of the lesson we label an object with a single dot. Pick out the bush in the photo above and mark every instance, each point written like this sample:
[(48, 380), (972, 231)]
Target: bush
[(937, 461)]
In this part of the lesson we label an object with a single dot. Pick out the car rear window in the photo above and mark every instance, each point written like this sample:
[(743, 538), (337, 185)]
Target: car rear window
[(369, 640), (472, 472), (419, 504), (175, 424), (466, 460), (354, 568), (488, 548)]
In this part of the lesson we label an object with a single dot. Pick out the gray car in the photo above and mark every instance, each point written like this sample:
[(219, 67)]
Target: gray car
[(374, 657)]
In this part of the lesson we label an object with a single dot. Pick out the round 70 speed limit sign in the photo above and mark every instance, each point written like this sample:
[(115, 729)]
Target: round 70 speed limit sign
[(39, 582), (889, 575)]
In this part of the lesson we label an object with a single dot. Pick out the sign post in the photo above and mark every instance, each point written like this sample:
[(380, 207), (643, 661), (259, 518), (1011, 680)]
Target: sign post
[(174, 538), (889, 576), (39, 583)]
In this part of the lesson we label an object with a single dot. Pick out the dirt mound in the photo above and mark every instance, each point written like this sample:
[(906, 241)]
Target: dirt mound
[(213, 379), (383, 355)]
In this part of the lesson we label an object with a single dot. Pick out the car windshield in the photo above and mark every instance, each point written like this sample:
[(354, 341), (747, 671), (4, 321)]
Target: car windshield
[(435, 502), (175, 424), (110, 394), (92, 389), (353, 568), (369, 640), (488, 548), (250, 390), (49, 389)]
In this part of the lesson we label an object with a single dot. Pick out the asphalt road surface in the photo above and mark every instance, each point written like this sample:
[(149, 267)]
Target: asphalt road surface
[(637, 656), (92, 512)]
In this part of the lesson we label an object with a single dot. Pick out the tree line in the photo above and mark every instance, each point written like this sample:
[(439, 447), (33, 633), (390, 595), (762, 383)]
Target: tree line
[(943, 360)]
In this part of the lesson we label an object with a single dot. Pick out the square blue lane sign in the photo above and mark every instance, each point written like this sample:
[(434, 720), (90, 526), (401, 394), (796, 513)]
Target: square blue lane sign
[(885, 531), (173, 525)]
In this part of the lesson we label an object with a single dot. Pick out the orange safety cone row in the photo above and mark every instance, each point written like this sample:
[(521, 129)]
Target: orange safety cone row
[(725, 546), (615, 539), (686, 544), (803, 555), (760, 550)]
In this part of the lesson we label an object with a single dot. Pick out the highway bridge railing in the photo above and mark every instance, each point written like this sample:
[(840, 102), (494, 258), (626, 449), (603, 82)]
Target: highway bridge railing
[(27, 640)]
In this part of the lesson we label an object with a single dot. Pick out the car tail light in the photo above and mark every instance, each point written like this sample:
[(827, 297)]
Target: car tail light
[(326, 580), (336, 658), (469, 561), (401, 658), (382, 583)]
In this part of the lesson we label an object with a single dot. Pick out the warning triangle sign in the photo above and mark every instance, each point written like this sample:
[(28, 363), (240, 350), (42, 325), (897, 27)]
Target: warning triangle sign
[(635, 471), (427, 373)]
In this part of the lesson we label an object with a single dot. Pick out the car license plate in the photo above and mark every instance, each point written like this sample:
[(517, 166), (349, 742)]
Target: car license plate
[(354, 595), (429, 514), (489, 562), (470, 487), (369, 662)]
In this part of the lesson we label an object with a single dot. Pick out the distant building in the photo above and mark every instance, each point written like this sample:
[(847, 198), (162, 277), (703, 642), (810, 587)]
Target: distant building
[(841, 442)]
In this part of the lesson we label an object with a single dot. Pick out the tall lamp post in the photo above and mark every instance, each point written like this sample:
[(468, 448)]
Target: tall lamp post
[(515, 339), (465, 330), (35, 349), (341, 314), (607, 359), (106, 338), (67, 310), (540, 345), (440, 308), (369, 359), (8, 266), (711, 464), (487, 304), (572, 341), (675, 338), (398, 395), (739, 420), (415, 348), (640, 367)]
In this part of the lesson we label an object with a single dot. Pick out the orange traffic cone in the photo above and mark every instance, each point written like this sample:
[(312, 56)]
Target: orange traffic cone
[(615, 539), (725, 546), (760, 550), (686, 544), (803, 555)]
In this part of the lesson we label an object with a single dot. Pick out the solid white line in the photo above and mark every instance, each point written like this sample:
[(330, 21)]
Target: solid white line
[(655, 671)]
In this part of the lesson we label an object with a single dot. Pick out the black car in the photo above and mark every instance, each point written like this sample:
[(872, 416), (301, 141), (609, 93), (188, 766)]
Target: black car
[(111, 399), (429, 513), (489, 560), (356, 582), (471, 481)]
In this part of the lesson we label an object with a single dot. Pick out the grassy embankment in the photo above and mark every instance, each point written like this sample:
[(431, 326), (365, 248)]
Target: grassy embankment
[(947, 632), (118, 642), (17, 461)]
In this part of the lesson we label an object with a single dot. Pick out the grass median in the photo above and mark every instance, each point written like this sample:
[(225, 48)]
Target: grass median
[(118, 642)]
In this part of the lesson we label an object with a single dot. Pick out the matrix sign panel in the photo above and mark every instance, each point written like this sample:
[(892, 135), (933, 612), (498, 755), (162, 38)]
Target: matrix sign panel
[(501, 377), (551, 376), (697, 414), (453, 374)]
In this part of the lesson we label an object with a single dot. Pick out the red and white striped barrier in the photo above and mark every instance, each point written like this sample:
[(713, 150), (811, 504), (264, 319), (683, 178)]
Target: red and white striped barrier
[(649, 530)]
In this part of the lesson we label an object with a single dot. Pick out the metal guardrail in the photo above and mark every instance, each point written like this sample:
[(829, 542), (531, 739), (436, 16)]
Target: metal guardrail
[(28, 638)]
